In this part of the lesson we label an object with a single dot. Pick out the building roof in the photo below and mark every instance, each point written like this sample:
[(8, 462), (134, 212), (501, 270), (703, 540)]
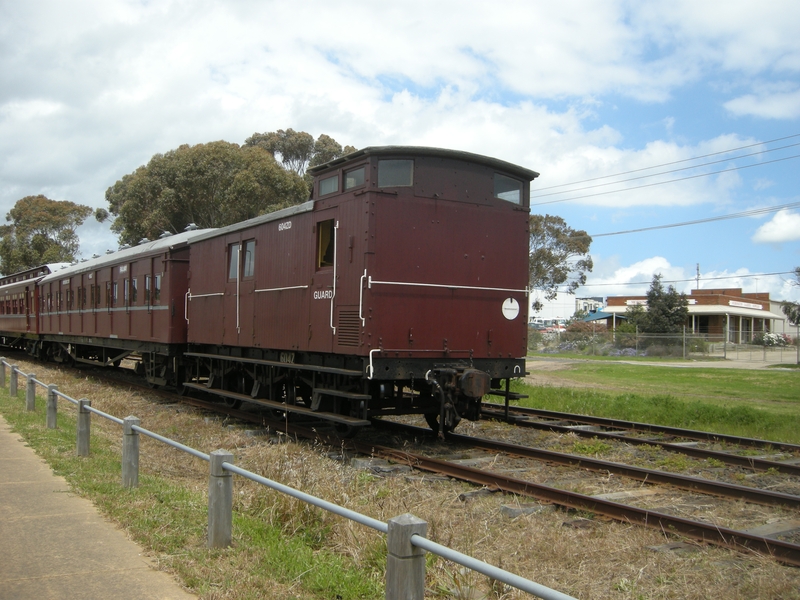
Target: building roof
[(711, 309), (600, 315)]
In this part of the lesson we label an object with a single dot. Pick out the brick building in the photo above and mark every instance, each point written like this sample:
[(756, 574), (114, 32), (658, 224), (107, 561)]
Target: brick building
[(714, 311)]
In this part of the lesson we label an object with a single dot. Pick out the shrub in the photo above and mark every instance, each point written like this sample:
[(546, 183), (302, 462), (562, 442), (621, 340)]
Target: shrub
[(767, 338)]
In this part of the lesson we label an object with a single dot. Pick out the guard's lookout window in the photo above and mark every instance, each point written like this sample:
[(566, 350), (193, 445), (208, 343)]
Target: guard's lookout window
[(395, 173), (508, 189), (325, 244), (329, 185), (354, 178)]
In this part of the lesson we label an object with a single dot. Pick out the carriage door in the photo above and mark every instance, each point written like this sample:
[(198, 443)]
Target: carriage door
[(239, 310), (323, 290), (29, 307)]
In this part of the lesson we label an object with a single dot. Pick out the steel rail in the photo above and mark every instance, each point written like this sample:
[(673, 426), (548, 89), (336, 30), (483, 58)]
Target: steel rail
[(695, 484), (648, 428), (784, 552), (749, 462)]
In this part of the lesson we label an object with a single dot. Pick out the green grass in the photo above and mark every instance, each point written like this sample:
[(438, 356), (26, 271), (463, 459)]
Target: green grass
[(171, 519), (752, 403)]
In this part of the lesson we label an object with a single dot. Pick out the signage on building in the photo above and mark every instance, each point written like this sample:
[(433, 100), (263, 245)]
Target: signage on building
[(745, 305)]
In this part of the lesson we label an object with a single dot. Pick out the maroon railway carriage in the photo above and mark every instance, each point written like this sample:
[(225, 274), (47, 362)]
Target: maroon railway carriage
[(110, 307), (401, 288), (19, 300)]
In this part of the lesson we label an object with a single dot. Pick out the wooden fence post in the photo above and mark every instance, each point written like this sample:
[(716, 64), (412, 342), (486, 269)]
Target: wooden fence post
[(52, 406), (84, 427), (130, 452), (12, 382), (30, 393), (220, 501), (405, 563)]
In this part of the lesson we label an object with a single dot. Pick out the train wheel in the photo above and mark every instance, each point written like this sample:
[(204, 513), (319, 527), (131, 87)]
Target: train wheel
[(232, 402), (344, 431), (449, 423)]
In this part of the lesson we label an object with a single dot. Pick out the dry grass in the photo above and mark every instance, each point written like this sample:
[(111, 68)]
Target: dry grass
[(596, 560)]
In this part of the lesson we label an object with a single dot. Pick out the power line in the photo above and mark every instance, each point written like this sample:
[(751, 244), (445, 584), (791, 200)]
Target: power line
[(670, 181), (675, 162), (747, 276), (713, 162), (747, 213)]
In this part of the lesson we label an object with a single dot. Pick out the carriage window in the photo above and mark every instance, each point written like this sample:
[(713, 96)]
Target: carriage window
[(508, 189), (395, 173), (354, 178), (233, 261), (249, 258), (134, 291), (126, 291), (157, 289), (147, 289), (329, 185), (115, 297), (325, 244)]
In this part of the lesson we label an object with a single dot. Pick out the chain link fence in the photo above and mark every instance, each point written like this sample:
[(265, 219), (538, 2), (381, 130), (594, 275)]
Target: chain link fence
[(597, 341)]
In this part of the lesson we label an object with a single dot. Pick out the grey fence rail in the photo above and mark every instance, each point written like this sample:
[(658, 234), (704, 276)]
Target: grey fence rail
[(406, 541)]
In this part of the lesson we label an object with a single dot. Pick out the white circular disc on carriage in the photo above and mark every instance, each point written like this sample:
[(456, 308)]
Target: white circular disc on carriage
[(510, 309)]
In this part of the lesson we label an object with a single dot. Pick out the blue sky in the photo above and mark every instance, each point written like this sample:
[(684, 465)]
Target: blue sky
[(90, 90)]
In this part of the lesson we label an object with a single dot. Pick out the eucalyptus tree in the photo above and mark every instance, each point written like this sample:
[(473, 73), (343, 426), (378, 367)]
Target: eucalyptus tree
[(41, 231), (210, 185), (558, 257)]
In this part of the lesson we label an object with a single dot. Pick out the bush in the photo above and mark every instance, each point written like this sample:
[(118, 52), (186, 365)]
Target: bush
[(767, 338)]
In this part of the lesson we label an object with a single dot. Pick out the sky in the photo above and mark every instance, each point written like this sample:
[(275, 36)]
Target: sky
[(579, 91)]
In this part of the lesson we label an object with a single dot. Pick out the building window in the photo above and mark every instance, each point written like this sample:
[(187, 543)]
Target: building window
[(329, 185), (249, 258), (354, 178), (325, 244), (395, 173), (507, 189)]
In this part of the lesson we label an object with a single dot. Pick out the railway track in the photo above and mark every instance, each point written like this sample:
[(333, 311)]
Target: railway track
[(753, 540), (673, 439), (742, 540)]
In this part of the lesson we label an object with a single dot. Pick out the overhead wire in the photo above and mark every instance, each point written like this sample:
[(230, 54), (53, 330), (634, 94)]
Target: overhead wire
[(674, 162), (713, 162), (746, 213), (638, 187), (745, 276)]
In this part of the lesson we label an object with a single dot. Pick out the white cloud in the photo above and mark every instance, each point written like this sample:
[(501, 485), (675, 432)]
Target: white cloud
[(776, 105), (783, 227), (90, 90), (611, 279)]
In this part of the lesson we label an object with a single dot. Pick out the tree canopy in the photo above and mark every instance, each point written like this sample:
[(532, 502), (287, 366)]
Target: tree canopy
[(298, 150), (667, 310), (792, 309), (41, 231), (558, 255), (210, 185)]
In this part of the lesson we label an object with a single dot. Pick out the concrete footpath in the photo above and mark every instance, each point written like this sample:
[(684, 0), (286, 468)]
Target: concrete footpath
[(56, 545)]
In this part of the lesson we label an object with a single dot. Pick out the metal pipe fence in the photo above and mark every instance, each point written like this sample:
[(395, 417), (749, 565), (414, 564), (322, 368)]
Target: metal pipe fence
[(406, 541)]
